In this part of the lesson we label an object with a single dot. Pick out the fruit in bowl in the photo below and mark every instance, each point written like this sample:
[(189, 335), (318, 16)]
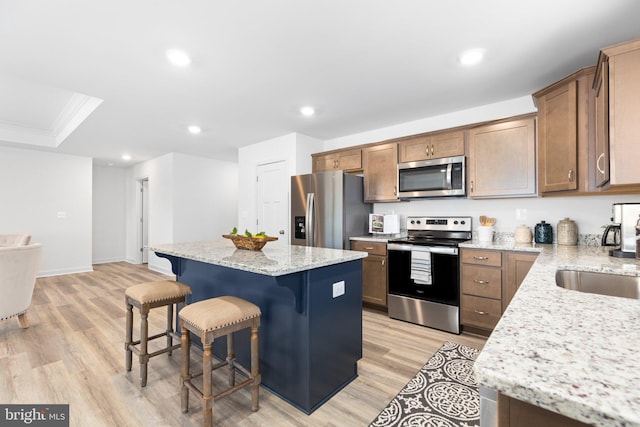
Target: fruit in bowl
[(254, 242)]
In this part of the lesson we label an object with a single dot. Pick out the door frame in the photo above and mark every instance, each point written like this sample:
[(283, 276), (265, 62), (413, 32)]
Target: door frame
[(142, 214)]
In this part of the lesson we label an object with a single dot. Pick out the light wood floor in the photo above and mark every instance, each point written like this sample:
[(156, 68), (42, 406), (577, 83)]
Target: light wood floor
[(74, 353)]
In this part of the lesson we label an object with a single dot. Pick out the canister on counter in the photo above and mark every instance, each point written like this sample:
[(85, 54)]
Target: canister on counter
[(543, 233), (638, 238), (567, 232)]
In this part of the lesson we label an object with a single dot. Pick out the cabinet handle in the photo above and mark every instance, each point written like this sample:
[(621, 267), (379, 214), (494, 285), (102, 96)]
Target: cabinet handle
[(336, 163), (571, 175), (431, 150), (471, 186), (395, 190), (481, 282), (383, 262), (368, 248), (482, 313), (481, 258), (600, 157)]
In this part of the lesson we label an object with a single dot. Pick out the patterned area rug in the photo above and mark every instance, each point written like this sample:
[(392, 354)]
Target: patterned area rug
[(444, 393)]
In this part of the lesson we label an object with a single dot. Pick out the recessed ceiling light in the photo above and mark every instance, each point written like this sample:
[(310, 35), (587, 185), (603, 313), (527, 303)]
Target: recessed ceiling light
[(471, 56), (194, 129), (178, 57), (126, 157), (307, 111)]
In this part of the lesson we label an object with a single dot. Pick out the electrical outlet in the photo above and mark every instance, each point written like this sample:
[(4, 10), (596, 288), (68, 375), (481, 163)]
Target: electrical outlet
[(338, 289), (521, 215), (62, 214)]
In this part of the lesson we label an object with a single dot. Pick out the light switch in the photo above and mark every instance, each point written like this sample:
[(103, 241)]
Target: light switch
[(338, 289)]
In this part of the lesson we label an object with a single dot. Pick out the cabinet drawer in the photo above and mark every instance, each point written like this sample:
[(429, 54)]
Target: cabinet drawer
[(482, 257), (482, 281), (480, 312), (374, 248)]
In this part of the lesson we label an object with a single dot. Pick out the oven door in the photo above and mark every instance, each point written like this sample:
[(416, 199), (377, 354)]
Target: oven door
[(445, 274)]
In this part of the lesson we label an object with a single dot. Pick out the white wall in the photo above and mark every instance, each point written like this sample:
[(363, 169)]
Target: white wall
[(34, 187), (294, 149), (109, 214), (190, 198)]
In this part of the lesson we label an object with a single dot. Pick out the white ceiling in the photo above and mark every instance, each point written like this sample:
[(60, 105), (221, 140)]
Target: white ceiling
[(363, 64)]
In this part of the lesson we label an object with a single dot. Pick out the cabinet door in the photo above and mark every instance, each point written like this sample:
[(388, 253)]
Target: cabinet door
[(447, 144), (624, 111), (324, 162), (602, 128), (518, 265), (349, 159), (415, 149), (558, 139), (380, 164), (374, 280), (502, 159)]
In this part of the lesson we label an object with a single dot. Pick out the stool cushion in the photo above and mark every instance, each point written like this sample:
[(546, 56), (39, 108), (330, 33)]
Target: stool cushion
[(217, 313), (157, 291)]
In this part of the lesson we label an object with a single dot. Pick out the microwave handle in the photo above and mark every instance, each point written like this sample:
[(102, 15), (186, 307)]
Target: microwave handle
[(449, 172)]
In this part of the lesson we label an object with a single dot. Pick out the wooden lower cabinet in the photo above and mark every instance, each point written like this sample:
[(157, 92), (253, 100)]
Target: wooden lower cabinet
[(374, 272), (488, 281), (516, 413)]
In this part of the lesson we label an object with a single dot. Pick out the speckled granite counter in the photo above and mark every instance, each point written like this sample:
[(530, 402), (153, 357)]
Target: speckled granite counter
[(569, 352), (272, 260)]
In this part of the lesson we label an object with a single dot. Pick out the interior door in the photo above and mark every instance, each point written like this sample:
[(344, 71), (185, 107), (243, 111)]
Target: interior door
[(273, 201)]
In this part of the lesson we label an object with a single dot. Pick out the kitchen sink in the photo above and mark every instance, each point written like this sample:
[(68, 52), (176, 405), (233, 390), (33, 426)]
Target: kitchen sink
[(599, 283)]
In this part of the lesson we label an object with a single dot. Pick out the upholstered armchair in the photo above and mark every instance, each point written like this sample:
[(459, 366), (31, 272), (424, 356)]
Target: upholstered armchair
[(14, 239), (19, 266)]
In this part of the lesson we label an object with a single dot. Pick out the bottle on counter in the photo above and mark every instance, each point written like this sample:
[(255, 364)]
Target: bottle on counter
[(567, 232), (543, 233)]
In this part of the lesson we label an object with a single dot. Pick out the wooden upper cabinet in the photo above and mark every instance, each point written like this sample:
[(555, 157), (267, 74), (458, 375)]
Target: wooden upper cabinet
[(432, 146), (380, 165), (618, 75), (347, 160), (601, 163), (502, 161), (565, 133)]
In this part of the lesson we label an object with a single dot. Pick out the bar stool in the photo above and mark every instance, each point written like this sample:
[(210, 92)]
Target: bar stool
[(211, 319), (145, 297)]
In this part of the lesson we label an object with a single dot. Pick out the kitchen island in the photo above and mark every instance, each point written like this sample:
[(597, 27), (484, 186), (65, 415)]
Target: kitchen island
[(311, 303), (569, 352)]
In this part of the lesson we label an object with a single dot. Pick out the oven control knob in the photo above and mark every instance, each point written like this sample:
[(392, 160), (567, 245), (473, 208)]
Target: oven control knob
[(462, 222), (413, 222), (418, 222), (456, 222)]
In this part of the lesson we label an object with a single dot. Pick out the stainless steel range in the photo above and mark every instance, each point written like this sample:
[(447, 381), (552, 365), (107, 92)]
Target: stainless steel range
[(424, 272)]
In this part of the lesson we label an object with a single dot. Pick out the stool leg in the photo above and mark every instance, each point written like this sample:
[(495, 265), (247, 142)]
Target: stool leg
[(169, 327), (144, 336), (206, 386), (185, 375), (255, 371), (129, 337), (231, 358)]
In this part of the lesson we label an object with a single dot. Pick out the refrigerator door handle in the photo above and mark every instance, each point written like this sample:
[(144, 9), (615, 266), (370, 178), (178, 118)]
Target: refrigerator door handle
[(310, 219)]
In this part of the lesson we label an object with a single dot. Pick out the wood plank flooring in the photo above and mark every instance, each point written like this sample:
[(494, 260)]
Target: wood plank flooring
[(74, 353)]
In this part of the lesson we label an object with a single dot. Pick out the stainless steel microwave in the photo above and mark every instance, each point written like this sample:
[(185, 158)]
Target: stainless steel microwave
[(444, 177)]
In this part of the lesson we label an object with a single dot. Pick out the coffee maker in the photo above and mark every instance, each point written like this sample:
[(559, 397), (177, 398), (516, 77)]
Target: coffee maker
[(626, 215)]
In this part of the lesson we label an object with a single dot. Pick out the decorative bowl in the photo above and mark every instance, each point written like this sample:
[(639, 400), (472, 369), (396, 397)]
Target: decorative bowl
[(249, 243)]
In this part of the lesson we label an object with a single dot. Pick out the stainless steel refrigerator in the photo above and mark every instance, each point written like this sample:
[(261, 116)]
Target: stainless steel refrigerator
[(327, 209)]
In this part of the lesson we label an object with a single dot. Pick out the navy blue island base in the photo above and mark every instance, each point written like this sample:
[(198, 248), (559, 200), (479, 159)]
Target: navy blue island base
[(310, 341)]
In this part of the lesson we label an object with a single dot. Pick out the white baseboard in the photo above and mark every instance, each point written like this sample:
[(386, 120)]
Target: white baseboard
[(107, 260), (63, 271)]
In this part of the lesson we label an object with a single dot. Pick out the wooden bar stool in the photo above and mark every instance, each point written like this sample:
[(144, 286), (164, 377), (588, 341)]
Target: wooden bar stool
[(145, 297), (211, 319)]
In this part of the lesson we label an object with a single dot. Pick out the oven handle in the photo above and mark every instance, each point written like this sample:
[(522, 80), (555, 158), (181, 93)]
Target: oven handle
[(433, 249)]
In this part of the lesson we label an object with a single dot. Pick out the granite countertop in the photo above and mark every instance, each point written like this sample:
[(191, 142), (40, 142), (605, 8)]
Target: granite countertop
[(570, 352), (272, 260), (377, 238)]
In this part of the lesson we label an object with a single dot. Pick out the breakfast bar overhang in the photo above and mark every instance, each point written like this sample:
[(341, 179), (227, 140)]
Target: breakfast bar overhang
[(311, 303)]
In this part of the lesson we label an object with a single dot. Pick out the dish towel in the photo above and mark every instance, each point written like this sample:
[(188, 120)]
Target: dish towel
[(421, 267)]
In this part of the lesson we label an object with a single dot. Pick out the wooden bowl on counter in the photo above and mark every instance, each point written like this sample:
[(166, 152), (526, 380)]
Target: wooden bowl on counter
[(249, 243)]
